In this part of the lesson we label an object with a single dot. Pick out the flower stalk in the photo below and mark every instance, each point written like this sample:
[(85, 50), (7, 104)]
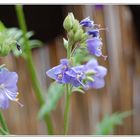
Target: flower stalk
[(67, 109), (81, 46), (30, 65), (4, 130)]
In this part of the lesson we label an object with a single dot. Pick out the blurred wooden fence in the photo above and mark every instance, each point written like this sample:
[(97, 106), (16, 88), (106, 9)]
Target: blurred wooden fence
[(121, 92)]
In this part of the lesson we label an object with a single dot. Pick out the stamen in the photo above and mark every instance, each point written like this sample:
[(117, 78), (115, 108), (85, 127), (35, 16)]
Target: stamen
[(97, 26), (59, 76), (64, 67), (104, 57), (20, 104), (104, 29)]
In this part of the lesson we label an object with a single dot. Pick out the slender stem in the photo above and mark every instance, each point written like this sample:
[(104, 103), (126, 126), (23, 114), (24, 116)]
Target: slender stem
[(3, 132), (67, 109), (68, 94), (30, 65), (3, 123)]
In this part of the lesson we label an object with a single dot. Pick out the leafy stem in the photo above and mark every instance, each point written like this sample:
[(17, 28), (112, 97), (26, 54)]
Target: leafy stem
[(3, 132), (30, 65)]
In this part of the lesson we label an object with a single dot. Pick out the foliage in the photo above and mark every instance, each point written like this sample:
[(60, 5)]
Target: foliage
[(54, 93), (11, 37), (108, 124)]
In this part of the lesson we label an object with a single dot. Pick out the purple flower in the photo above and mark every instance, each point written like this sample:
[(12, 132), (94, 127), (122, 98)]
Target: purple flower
[(75, 76), (58, 72), (94, 33), (8, 87), (87, 22), (98, 74), (94, 46)]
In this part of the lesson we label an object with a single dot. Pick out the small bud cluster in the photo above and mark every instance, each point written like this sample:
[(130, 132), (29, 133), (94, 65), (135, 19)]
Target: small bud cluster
[(8, 42)]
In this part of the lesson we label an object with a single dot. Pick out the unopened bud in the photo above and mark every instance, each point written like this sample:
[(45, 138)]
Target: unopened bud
[(68, 22), (78, 35), (65, 43)]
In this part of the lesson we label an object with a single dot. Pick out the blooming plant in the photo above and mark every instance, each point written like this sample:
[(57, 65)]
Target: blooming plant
[(75, 73), (79, 71)]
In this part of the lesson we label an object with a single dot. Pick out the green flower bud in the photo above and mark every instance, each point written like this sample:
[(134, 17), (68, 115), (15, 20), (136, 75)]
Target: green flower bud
[(4, 50), (65, 43), (76, 26), (71, 35), (68, 22), (84, 37), (72, 17), (78, 35)]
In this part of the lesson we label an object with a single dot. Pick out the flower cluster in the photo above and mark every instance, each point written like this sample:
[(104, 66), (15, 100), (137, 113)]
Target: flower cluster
[(91, 74), (94, 43), (88, 75)]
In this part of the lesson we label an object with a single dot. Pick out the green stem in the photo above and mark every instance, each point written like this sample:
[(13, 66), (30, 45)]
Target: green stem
[(68, 94), (3, 132), (67, 109), (3, 123), (30, 65)]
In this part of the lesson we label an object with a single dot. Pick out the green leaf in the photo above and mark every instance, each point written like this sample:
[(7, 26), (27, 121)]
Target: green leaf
[(55, 92), (108, 124)]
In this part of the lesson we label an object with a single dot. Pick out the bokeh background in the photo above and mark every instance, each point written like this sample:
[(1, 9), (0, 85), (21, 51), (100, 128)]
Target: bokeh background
[(122, 90)]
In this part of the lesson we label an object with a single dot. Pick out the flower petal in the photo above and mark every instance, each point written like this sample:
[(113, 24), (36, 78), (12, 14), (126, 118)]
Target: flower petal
[(4, 101), (98, 83)]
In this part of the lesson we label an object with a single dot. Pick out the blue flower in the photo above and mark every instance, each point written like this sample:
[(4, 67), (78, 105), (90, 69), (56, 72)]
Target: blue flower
[(98, 74), (8, 87), (87, 22), (75, 76), (94, 33), (58, 72), (94, 46)]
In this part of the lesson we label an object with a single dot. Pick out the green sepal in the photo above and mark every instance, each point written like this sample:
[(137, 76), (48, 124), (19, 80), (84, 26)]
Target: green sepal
[(77, 89)]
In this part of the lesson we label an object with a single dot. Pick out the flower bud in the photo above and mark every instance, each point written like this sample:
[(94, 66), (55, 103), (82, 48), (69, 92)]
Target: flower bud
[(68, 22), (71, 35), (78, 35), (76, 25), (65, 43), (4, 50), (84, 37)]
